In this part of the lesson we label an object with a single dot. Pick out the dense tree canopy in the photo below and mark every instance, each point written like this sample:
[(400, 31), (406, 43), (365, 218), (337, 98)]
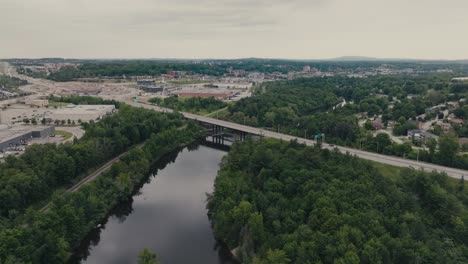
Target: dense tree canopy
[(33, 176), (49, 236), (278, 202), (192, 104)]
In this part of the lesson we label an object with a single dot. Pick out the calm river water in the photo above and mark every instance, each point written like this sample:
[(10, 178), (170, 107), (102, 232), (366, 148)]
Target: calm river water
[(167, 215)]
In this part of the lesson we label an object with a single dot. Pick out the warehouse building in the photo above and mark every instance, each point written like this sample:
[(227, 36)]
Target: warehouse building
[(20, 135)]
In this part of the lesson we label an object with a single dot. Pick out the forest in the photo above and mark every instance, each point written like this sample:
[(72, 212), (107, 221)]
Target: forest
[(196, 105), (30, 235), (282, 202)]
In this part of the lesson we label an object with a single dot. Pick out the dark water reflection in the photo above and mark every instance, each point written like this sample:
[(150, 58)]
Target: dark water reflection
[(167, 215)]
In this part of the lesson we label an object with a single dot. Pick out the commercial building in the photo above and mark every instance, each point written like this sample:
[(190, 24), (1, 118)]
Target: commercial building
[(19, 135)]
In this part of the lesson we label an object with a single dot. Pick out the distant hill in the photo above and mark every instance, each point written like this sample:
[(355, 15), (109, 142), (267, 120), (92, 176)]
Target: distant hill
[(363, 58)]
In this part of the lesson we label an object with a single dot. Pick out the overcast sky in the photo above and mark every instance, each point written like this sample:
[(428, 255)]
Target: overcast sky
[(300, 29)]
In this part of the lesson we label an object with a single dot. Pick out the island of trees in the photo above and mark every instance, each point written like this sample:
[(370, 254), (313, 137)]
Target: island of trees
[(276, 202)]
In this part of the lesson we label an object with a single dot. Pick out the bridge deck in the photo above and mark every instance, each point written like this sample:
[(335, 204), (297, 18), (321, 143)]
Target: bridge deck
[(390, 160)]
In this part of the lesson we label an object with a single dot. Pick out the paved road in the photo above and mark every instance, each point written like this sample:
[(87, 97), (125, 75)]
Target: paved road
[(390, 160)]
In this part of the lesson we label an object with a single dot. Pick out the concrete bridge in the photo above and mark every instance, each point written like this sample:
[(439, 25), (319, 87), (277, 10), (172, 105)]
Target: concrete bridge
[(219, 125)]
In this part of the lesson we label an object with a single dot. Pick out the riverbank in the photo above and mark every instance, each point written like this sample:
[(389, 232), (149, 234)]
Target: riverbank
[(166, 213), (50, 236)]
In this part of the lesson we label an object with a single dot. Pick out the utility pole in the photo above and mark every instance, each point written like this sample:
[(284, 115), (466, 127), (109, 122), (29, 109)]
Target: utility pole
[(305, 133)]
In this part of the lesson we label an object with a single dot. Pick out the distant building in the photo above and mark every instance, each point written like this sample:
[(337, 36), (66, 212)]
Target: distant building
[(40, 103), (306, 69), (143, 83), (153, 89), (176, 74), (377, 124), (457, 121), (435, 109), (420, 135), (211, 85), (20, 135), (460, 79)]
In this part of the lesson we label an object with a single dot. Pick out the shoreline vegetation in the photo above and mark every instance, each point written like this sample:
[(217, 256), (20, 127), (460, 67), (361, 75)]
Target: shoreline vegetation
[(282, 202), (33, 236)]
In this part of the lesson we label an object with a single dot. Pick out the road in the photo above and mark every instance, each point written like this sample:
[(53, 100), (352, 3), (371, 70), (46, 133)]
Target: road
[(390, 160)]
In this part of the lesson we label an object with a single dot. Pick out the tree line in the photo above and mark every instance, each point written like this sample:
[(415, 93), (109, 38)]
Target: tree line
[(191, 104), (10, 83)]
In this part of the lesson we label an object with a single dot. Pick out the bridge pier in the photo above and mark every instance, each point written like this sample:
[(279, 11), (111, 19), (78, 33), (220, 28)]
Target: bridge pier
[(217, 134), (220, 134)]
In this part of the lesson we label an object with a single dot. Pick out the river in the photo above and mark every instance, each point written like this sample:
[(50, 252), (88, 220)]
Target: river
[(167, 214)]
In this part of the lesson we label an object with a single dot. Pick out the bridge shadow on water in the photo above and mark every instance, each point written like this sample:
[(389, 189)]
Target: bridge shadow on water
[(125, 208)]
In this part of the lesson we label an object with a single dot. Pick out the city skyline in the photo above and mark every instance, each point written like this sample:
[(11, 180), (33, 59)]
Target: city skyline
[(234, 29)]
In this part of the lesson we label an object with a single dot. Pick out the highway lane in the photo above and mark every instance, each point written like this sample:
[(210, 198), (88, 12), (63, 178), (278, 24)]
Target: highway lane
[(390, 160)]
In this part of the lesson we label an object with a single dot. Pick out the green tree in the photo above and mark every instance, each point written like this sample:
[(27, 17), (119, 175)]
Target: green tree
[(147, 257), (448, 148), (277, 257)]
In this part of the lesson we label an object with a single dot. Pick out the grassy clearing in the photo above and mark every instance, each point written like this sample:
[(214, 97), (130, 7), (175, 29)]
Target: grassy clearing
[(394, 172), (58, 104), (388, 170), (65, 134)]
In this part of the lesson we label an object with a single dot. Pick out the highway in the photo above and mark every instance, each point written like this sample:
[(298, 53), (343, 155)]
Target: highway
[(390, 160)]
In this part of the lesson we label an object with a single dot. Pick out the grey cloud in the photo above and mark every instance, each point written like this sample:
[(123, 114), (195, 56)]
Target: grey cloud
[(234, 28)]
